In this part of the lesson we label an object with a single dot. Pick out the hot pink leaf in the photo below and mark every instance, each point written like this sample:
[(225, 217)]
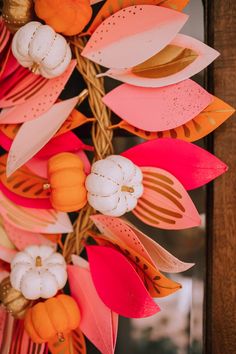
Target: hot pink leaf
[(157, 109), (133, 35), (118, 284), (117, 229), (28, 104), (206, 55), (96, 318), (35, 134), (34, 220), (190, 164), (11, 66), (165, 203)]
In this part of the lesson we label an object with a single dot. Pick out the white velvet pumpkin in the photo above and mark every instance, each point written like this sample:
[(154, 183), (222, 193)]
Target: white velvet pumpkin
[(38, 272), (41, 49), (114, 185)]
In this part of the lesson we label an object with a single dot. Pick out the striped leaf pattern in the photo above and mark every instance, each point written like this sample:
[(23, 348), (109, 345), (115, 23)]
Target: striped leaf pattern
[(23, 182), (199, 127), (155, 282), (165, 203), (110, 7), (74, 343)]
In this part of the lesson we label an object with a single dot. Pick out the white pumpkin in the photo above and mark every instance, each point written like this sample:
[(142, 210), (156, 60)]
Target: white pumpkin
[(42, 50), (114, 185), (38, 272)]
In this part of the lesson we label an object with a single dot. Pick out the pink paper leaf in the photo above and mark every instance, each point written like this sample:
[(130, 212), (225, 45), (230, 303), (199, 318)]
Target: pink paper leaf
[(14, 84), (118, 284), (3, 315), (33, 135), (96, 318), (11, 66), (133, 35), (7, 254), (120, 230), (190, 164), (34, 220), (31, 105), (165, 203), (21, 238), (158, 109), (206, 55)]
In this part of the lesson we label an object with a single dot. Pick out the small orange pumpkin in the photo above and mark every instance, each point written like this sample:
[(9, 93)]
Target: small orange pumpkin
[(67, 182), (55, 317), (68, 17)]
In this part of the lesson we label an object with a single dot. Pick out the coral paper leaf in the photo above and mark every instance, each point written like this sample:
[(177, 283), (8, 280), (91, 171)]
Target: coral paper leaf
[(118, 284), (33, 135), (110, 7), (165, 203), (160, 108), (203, 124), (190, 164), (119, 230), (138, 31), (34, 220), (182, 58), (96, 317)]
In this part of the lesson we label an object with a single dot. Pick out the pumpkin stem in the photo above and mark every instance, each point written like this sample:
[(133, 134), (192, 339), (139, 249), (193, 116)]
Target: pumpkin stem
[(34, 68), (46, 186), (38, 261), (61, 337), (127, 189)]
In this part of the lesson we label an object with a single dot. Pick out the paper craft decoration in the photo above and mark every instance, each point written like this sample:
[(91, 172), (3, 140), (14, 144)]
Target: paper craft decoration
[(160, 108), (4, 237), (110, 7), (42, 50), (119, 231), (34, 220), (139, 31), (98, 322), (118, 284), (74, 339), (114, 185), (182, 58), (38, 272), (33, 135), (190, 164), (203, 124), (11, 67), (6, 254)]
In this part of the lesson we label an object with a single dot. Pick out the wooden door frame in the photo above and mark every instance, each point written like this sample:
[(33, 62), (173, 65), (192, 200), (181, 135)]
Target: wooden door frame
[(220, 301)]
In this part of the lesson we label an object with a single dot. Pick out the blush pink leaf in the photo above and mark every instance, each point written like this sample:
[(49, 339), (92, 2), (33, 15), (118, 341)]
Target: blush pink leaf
[(190, 164), (118, 284), (158, 109), (133, 35)]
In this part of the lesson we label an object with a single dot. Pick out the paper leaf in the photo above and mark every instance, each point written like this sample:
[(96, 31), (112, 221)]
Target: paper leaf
[(8, 334), (190, 164), (155, 282), (3, 315), (34, 104), (182, 58), (7, 254), (116, 229), (203, 124), (21, 238), (5, 240), (138, 31), (33, 135), (10, 67), (118, 284), (110, 7), (74, 343), (165, 203), (96, 318), (34, 220), (163, 108)]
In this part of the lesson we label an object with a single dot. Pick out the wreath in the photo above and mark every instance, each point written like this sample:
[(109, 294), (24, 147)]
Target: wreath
[(63, 214)]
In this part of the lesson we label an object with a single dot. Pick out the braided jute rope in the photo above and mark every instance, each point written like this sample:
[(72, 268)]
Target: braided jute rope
[(101, 138)]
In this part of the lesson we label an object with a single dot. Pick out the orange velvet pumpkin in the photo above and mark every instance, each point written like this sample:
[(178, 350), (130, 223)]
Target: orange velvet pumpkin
[(55, 317), (67, 182), (68, 17)]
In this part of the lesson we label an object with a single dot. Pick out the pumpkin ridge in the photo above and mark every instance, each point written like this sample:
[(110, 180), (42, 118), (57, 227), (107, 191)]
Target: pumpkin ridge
[(30, 320), (65, 309), (46, 306)]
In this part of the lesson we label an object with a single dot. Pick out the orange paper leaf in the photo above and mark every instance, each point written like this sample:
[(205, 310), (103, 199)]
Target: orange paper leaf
[(23, 182), (203, 124), (74, 343), (112, 6)]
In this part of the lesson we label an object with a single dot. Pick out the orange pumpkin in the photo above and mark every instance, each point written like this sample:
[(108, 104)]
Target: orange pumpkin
[(55, 317), (68, 17), (67, 182)]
